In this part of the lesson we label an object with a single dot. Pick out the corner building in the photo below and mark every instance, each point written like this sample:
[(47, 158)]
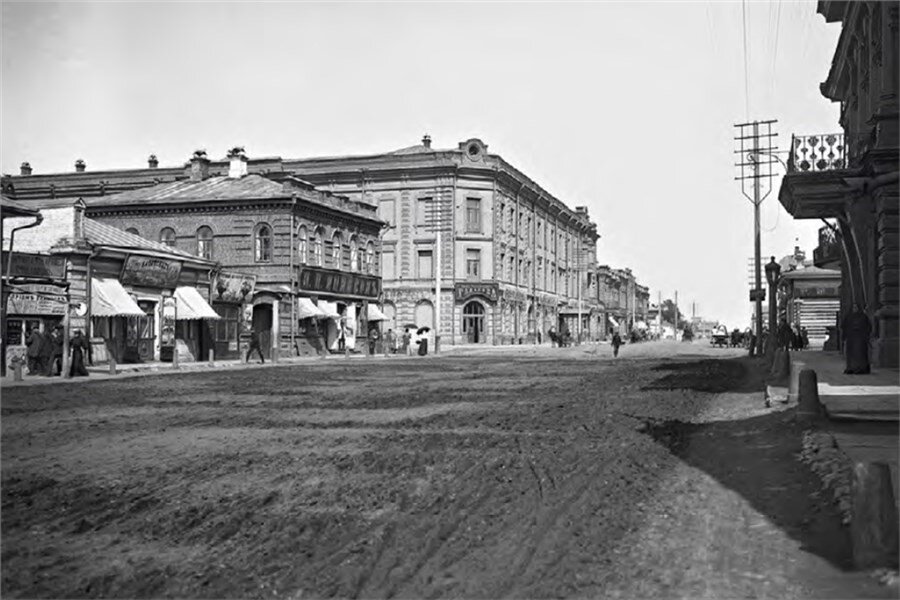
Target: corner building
[(512, 256)]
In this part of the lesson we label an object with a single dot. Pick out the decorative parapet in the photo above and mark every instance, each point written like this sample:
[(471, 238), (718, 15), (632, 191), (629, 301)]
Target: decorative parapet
[(817, 152)]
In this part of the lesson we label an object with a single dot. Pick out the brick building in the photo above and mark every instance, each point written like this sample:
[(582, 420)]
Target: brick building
[(307, 260)]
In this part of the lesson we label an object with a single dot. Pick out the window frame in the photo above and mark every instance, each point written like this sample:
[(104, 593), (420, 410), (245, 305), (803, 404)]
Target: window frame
[(257, 243), (164, 238), (202, 239), (474, 207)]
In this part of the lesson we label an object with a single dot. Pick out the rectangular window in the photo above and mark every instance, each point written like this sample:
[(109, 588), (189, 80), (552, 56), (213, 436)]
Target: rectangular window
[(473, 215), (473, 264), (388, 266), (502, 219), (423, 207), (387, 210), (425, 265)]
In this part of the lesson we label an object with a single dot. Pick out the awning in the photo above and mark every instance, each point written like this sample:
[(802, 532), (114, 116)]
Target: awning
[(329, 309), (307, 310), (191, 305), (375, 313), (109, 299), (612, 320)]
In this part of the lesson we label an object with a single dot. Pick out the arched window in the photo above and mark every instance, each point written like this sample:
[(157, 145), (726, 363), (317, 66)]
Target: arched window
[(337, 250), (204, 242), (132, 231), (354, 254), (263, 243), (167, 236), (370, 258), (317, 252), (302, 244)]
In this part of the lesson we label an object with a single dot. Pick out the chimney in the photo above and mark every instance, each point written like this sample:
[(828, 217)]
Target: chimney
[(79, 166), (152, 162), (426, 141), (237, 163), (26, 168), (78, 221), (199, 166)]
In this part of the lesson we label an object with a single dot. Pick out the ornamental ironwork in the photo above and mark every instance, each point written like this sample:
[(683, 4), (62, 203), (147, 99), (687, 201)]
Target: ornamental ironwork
[(817, 152)]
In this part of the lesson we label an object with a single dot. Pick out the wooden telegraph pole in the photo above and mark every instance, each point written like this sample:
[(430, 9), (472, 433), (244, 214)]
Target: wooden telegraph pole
[(756, 149)]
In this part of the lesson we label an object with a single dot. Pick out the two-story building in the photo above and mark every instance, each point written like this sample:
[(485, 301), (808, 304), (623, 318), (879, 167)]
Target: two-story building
[(300, 263), (850, 178)]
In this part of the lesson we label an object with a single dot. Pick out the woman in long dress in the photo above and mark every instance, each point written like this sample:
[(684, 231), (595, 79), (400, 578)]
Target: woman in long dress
[(79, 348), (857, 330)]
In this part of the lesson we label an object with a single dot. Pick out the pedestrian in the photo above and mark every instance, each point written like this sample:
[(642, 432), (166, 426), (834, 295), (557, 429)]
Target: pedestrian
[(407, 343), (390, 342), (254, 345), (34, 342), (551, 333), (784, 335), (373, 339), (856, 331), (78, 347), (616, 342), (804, 338), (54, 365)]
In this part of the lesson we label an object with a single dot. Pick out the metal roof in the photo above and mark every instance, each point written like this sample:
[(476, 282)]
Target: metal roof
[(11, 208), (99, 234), (249, 187)]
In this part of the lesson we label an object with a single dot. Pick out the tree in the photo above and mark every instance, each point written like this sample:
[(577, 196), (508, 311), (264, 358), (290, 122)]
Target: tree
[(668, 313)]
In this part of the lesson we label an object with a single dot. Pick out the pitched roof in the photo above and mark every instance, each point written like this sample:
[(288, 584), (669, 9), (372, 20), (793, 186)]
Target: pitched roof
[(100, 234), (11, 208), (248, 187), (418, 149), (811, 272)]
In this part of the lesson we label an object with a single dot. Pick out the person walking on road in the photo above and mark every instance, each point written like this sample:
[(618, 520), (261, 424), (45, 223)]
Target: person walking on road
[(616, 342), (54, 365), (34, 342), (254, 345)]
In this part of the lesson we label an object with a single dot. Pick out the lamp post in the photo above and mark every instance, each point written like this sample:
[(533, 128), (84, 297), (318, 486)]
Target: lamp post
[(773, 271)]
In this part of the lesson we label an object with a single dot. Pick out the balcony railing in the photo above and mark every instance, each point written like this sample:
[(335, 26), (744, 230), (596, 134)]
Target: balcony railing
[(828, 252), (817, 152)]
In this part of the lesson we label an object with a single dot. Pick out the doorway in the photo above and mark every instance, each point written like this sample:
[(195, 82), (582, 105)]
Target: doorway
[(473, 322), (262, 324)]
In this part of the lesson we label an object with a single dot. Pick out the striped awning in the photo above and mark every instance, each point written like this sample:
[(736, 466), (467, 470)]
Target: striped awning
[(191, 305), (307, 310), (109, 299)]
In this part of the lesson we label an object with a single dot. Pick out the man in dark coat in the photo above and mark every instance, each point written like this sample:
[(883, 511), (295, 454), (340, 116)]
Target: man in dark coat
[(616, 342), (254, 345), (34, 343), (54, 365), (856, 331), (784, 336)]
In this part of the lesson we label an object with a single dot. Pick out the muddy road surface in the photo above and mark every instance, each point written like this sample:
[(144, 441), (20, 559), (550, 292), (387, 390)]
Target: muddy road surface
[(519, 474)]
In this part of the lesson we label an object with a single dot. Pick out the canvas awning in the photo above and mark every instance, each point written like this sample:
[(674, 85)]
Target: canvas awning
[(612, 320), (329, 309), (375, 313), (307, 310), (109, 299), (191, 305)]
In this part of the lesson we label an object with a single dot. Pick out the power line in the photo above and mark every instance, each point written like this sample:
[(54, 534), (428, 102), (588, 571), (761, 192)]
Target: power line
[(746, 64), (775, 52)]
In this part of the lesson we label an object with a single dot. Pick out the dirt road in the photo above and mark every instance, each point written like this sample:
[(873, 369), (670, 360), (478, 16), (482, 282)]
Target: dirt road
[(533, 473)]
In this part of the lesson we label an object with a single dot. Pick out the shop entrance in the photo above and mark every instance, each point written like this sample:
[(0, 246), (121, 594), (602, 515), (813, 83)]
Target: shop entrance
[(262, 323), (473, 322), (140, 334)]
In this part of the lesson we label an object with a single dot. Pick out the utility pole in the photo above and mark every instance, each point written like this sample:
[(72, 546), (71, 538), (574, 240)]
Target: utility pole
[(437, 223), (755, 162), (676, 314)]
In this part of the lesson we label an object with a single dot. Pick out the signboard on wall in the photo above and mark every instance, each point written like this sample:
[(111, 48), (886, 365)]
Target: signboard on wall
[(233, 287), (149, 271), (464, 291), (338, 283), (37, 266), (167, 326), (817, 292), (36, 299)]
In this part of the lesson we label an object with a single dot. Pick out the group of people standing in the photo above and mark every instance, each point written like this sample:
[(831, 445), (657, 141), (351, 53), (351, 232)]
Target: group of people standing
[(791, 338), (44, 352)]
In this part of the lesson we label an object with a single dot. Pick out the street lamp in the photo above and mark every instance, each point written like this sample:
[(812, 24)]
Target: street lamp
[(773, 271)]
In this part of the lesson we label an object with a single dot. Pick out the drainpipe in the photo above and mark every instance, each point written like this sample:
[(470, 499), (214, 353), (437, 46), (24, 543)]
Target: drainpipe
[(12, 237)]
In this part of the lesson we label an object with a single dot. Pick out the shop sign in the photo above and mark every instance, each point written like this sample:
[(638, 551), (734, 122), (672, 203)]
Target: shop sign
[(464, 291), (337, 283), (38, 266), (233, 287), (817, 292), (36, 299), (149, 271)]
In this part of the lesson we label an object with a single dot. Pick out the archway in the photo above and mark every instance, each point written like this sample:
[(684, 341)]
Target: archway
[(473, 322), (424, 314)]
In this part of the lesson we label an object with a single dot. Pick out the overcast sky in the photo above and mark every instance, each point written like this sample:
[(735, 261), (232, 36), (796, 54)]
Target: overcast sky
[(625, 107)]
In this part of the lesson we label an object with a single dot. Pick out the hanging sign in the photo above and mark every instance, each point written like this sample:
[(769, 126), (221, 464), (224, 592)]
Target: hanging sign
[(36, 299), (233, 287), (338, 283), (464, 291), (37, 266)]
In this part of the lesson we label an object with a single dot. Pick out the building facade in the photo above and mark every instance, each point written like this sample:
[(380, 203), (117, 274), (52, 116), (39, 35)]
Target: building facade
[(850, 178), (298, 265)]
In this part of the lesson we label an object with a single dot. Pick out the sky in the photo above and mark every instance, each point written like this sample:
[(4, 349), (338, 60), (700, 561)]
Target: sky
[(627, 108)]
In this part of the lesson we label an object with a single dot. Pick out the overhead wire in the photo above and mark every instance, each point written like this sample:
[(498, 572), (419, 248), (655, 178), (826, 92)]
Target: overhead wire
[(746, 60)]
